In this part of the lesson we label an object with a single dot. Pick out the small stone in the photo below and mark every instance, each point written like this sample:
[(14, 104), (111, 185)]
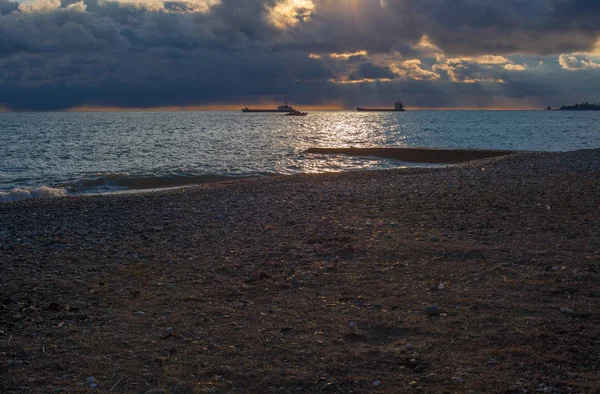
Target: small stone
[(432, 310), (154, 391), (492, 363), (414, 361), (435, 239), (566, 310), (548, 389), (441, 287), (90, 379), (419, 369), (15, 363), (409, 346), (60, 390), (93, 385), (139, 313), (377, 383), (413, 384), (457, 380), (352, 325)]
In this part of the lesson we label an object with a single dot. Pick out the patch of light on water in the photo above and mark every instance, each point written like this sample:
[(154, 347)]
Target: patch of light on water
[(49, 149)]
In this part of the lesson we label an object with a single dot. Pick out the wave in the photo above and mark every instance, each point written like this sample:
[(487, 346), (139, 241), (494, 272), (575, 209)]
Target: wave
[(38, 192), (113, 182), (110, 183)]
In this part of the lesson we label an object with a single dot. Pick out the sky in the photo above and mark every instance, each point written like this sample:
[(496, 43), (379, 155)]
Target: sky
[(226, 54)]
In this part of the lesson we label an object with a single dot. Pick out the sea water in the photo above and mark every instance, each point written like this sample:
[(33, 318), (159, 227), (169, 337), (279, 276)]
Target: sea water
[(47, 154)]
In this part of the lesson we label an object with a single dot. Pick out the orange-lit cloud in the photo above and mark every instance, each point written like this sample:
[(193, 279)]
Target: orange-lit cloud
[(576, 63), (346, 56), (412, 69), (345, 80), (287, 13)]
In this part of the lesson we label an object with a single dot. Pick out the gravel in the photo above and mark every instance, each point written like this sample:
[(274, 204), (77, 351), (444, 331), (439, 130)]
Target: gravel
[(321, 251)]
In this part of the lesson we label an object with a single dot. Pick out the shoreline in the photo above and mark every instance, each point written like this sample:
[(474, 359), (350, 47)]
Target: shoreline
[(412, 155), (420, 154), (312, 283)]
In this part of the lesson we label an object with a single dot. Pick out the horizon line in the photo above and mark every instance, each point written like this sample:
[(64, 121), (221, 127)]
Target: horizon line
[(200, 108)]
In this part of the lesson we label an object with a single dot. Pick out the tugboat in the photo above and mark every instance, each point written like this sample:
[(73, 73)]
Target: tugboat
[(296, 113), (281, 108), (398, 107)]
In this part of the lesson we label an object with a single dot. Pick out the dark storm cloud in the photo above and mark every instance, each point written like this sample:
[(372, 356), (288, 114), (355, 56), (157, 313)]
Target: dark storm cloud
[(6, 7), (370, 71), (55, 55), (509, 26), (457, 26)]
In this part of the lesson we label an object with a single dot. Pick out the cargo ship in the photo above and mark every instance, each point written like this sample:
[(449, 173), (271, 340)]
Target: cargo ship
[(281, 108), (398, 107)]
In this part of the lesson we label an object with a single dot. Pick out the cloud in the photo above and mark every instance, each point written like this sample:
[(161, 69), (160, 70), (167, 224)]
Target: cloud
[(38, 6), (287, 13), (370, 71), (134, 53), (412, 69), (573, 63)]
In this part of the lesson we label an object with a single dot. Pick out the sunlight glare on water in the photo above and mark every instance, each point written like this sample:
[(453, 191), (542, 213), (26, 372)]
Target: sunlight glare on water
[(91, 152)]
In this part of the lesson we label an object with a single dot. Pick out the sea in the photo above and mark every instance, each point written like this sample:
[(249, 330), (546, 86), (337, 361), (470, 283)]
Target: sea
[(70, 153)]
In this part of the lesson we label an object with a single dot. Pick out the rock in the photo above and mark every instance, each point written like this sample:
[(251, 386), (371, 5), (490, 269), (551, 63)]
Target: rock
[(492, 363), (441, 287), (548, 389), (139, 313), (93, 385), (414, 361), (432, 310), (90, 379), (457, 380), (409, 346), (419, 369), (154, 391), (352, 325), (15, 363), (566, 310), (413, 384), (377, 383)]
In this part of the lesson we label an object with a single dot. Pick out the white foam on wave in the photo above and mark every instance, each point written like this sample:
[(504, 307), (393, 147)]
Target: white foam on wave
[(38, 192)]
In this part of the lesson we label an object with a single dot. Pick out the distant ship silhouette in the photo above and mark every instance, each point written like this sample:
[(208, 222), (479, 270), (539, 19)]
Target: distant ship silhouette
[(398, 107), (281, 108)]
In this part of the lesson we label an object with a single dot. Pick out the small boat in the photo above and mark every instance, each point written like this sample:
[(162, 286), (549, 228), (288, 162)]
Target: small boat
[(281, 108), (296, 113)]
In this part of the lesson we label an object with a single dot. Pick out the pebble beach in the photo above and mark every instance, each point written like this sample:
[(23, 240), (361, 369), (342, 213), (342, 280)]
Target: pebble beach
[(480, 277)]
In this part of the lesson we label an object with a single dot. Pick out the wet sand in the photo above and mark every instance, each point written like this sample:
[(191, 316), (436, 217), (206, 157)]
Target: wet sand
[(419, 155), (312, 283)]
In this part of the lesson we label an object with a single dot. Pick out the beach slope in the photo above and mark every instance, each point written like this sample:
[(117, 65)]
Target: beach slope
[(312, 283)]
